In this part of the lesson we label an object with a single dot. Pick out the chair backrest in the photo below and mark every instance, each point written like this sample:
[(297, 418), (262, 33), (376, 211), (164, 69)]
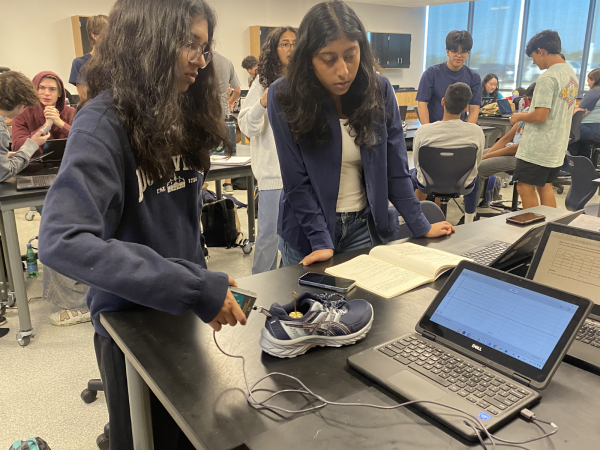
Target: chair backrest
[(432, 213), (446, 170), (582, 189), (575, 124)]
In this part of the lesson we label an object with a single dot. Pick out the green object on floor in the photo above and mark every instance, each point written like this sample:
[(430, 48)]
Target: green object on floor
[(30, 444), (32, 265)]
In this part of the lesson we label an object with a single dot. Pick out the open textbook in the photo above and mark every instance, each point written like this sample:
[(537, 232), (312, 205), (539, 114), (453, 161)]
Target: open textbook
[(391, 270)]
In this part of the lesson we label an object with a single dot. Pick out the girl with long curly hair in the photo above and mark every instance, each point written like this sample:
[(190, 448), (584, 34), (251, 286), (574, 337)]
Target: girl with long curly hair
[(340, 143), (254, 122), (123, 215)]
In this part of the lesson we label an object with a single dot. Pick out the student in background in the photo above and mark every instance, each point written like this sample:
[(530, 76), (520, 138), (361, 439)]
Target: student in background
[(111, 209), (437, 78), (51, 107), (16, 94), (229, 90), (95, 25), (542, 149), (590, 124), (340, 144), (489, 87), (250, 64), (451, 133), (501, 156), (254, 123)]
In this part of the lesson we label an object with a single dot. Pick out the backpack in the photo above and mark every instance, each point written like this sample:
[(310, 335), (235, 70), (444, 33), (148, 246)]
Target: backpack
[(30, 444), (220, 224), (492, 191)]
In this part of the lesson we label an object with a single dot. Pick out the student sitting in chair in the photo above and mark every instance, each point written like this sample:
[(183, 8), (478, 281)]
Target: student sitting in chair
[(50, 108), (451, 133)]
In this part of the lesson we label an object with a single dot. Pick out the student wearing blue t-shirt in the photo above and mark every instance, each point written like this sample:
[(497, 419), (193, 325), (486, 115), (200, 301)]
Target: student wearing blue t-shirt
[(489, 87), (94, 27), (589, 129), (437, 78)]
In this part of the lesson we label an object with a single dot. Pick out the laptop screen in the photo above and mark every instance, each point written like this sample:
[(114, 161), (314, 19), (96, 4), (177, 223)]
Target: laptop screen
[(504, 321), (569, 259), (523, 324), (504, 106)]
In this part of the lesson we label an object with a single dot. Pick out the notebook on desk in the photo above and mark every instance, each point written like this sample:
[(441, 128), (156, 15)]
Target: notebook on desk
[(485, 345), (569, 258)]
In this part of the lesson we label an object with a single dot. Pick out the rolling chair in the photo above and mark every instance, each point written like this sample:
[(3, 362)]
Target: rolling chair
[(445, 172), (582, 189), (89, 396), (564, 177)]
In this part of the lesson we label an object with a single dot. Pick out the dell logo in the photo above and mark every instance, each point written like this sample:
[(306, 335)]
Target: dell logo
[(476, 347)]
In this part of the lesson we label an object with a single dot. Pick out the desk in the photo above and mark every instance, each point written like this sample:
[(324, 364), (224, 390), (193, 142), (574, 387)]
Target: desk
[(502, 123), (597, 183), (218, 173), (413, 126), (11, 199), (204, 390)]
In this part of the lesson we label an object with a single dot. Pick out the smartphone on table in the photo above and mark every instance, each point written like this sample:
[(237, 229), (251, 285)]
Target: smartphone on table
[(325, 281), (526, 218)]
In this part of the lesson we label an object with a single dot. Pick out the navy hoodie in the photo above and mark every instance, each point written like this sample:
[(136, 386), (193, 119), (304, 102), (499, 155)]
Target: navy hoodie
[(132, 241)]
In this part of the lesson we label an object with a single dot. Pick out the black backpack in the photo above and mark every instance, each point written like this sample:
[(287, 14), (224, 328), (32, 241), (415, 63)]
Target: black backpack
[(220, 224)]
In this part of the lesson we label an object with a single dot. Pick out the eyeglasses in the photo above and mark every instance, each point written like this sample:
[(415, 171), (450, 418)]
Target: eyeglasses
[(195, 51), (459, 53), (286, 46)]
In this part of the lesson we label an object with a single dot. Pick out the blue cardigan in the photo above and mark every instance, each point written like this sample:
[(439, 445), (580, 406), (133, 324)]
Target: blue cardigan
[(311, 177)]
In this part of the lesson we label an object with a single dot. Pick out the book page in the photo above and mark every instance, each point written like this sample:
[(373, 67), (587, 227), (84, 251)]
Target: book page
[(380, 277), (427, 261), (572, 264)]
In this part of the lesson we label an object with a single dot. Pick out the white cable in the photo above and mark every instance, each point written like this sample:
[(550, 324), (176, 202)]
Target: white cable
[(472, 421)]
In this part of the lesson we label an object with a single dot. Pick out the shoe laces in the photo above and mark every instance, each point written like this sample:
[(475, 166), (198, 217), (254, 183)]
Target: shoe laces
[(325, 300)]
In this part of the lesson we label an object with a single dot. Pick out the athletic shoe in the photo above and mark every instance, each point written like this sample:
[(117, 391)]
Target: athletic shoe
[(228, 188), (324, 323), (2, 320), (70, 317)]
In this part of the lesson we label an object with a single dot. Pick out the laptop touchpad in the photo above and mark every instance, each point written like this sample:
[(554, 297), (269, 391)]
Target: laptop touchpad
[(419, 389)]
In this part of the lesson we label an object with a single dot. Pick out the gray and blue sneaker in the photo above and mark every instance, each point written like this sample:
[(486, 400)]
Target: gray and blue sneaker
[(328, 320)]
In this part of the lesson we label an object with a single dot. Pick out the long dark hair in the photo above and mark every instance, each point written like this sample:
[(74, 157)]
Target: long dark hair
[(486, 80), (136, 61), (302, 100), (269, 64)]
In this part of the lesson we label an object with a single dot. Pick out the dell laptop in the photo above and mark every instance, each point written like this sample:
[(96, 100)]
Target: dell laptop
[(499, 254), (486, 344), (569, 258)]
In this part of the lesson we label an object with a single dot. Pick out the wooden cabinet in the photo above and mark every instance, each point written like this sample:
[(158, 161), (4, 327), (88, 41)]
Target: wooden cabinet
[(408, 98), (80, 36), (258, 35)]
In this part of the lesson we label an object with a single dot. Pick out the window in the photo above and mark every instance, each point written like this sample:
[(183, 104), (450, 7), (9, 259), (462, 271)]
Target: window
[(495, 39), (570, 22), (442, 20), (594, 54)]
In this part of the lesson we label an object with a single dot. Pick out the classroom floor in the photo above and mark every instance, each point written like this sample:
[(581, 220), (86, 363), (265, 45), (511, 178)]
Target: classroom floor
[(40, 384)]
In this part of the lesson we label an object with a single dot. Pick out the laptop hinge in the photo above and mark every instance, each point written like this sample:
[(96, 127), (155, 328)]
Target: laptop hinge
[(428, 335), (521, 379)]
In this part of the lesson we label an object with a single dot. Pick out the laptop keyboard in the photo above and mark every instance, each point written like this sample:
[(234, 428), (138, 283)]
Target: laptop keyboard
[(488, 390), (489, 253), (589, 333), (43, 180)]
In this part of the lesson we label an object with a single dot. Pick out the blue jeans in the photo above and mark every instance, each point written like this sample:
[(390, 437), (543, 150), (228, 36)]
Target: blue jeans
[(265, 250), (470, 199), (351, 233)]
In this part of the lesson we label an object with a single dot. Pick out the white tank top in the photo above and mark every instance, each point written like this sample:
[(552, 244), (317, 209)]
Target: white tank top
[(351, 196)]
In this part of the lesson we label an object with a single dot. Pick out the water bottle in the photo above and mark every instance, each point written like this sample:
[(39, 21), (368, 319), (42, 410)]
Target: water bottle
[(521, 105), (231, 132), (32, 265)]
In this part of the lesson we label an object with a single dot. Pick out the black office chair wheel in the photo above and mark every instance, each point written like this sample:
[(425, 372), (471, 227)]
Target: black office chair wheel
[(88, 396), (560, 190), (103, 442), (247, 246)]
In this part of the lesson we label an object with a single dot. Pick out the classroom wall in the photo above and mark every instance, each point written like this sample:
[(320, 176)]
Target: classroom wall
[(38, 36)]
